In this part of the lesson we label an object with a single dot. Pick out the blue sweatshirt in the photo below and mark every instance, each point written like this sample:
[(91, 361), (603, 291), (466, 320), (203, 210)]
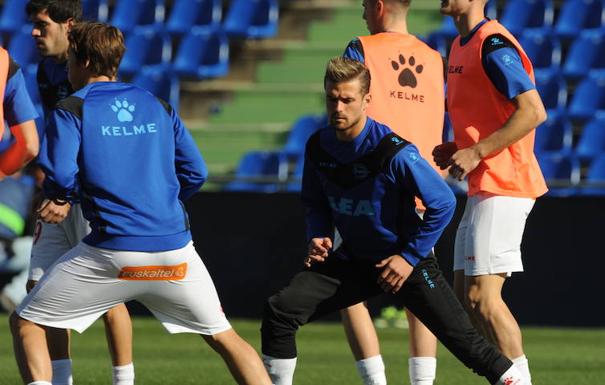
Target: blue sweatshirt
[(133, 161), (376, 218)]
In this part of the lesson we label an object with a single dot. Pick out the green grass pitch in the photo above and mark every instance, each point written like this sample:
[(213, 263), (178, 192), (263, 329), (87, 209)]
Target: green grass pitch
[(557, 356)]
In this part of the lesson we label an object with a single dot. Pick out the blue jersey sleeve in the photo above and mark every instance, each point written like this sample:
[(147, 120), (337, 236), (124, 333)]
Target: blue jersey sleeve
[(59, 155), (191, 169), (318, 214), (422, 180), (504, 67), (355, 51), (18, 106)]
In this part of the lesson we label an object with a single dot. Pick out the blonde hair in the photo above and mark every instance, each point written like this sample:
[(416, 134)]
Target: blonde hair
[(342, 69)]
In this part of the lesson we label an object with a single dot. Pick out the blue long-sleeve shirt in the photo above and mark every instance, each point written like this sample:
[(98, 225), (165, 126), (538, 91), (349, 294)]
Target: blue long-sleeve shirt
[(378, 218), (132, 160)]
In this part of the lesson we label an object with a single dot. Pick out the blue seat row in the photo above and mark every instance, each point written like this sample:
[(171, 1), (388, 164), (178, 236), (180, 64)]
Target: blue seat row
[(244, 18)]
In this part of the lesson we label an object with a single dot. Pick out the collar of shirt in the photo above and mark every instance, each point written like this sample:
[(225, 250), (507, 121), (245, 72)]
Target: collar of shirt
[(467, 38)]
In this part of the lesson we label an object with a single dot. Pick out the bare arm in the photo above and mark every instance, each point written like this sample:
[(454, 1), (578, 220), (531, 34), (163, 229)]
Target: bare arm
[(24, 149), (529, 114)]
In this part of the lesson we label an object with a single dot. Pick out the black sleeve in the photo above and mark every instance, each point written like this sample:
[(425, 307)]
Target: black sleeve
[(13, 67)]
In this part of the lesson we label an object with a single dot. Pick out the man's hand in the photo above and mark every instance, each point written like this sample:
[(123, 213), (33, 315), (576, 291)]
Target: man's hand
[(51, 212), (318, 250), (442, 154), (464, 161), (395, 271)]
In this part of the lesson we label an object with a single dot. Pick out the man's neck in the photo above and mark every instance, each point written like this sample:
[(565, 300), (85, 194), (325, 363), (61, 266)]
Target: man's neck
[(60, 59), (396, 25), (466, 23), (352, 132)]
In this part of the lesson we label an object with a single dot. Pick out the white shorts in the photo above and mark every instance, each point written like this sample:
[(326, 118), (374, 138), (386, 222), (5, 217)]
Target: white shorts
[(52, 241), (87, 281), (488, 240)]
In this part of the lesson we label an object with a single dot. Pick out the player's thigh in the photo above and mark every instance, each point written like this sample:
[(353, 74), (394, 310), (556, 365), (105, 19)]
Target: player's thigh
[(497, 226), (80, 287), (49, 244), (189, 303)]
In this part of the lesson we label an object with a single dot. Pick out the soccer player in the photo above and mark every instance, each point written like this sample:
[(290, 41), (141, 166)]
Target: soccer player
[(362, 179), (408, 96), (494, 108), (52, 20), (134, 163)]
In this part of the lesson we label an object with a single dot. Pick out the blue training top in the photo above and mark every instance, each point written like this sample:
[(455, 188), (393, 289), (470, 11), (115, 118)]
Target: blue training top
[(133, 161), (376, 218), (18, 106), (53, 84)]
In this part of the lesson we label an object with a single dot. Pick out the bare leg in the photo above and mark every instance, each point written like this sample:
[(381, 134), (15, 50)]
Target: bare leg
[(422, 342), (118, 330), (241, 359), (31, 352), (484, 295), (360, 331)]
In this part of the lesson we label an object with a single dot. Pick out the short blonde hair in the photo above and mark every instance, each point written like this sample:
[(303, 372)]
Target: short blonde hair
[(342, 69)]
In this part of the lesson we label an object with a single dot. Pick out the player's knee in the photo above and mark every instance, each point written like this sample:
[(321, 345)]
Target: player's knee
[(482, 303)]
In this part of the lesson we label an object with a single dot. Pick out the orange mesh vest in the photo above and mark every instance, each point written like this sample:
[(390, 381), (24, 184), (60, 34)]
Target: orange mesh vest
[(407, 89), (4, 61), (477, 109)]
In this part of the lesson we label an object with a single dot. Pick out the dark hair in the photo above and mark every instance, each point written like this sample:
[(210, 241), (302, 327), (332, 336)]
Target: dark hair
[(102, 45), (341, 69), (59, 11)]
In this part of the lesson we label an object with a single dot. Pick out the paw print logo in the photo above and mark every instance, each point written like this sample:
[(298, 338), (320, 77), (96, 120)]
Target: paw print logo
[(407, 78), (124, 110)]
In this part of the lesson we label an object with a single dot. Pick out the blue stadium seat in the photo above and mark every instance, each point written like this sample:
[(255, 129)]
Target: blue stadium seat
[(491, 9), (300, 132), (588, 98), (576, 15), (592, 139), (160, 81), (562, 173), (595, 178), (186, 14), (252, 19), (295, 180), (22, 48), (13, 16), (127, 14), (552, 88), (586, 53), (542, 47), (521, 14), (555, 135), (146, 45), (95, 10), (203, 53), (258, 164), (439, 42)]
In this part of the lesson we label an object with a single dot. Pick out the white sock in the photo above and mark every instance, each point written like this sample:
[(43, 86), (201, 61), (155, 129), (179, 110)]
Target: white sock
[(281, 370), (511, 377), (62, 372), (422, 370), (371, 370), (523, 366), (40, 383), (123, 375)]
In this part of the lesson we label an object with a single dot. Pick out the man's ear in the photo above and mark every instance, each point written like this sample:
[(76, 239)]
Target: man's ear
[(70, 22)]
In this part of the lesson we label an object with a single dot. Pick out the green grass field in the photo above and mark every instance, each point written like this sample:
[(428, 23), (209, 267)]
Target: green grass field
[(557, 357)]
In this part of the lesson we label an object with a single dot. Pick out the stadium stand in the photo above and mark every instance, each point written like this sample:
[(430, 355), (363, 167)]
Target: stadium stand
[(187, 14), (95, 10), (259, 171), (128, 14), (247, 73), (147, 45), (252, 19)]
